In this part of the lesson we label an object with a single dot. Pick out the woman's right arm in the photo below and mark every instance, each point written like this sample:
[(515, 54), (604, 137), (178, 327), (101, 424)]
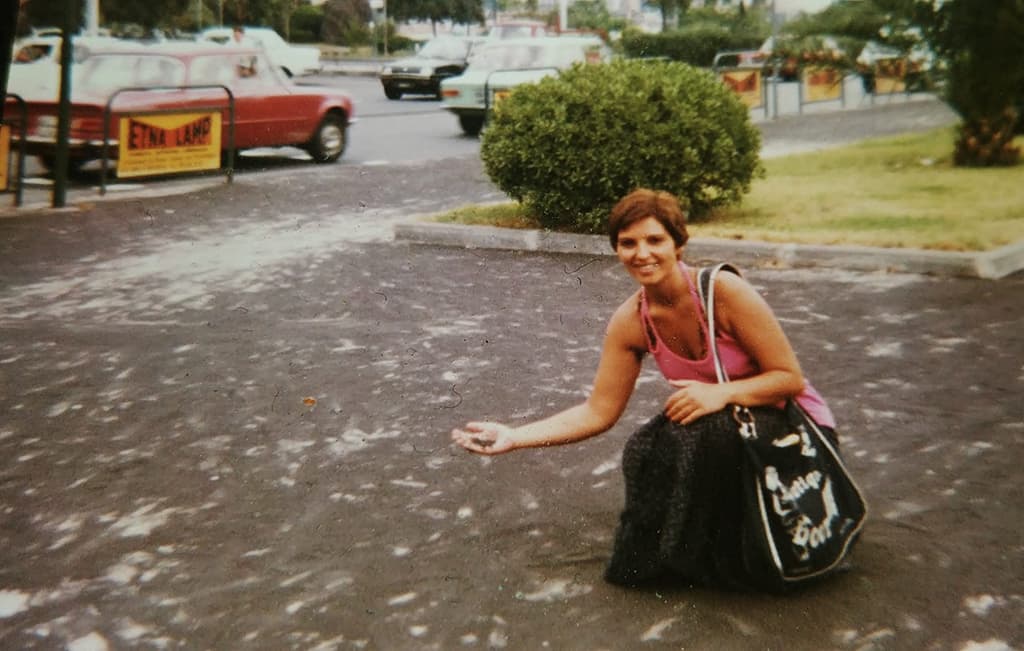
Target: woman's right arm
[(616, 376)]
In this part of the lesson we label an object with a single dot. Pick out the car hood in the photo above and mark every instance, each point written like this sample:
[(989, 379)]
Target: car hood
[(498, 77), (421, 62)]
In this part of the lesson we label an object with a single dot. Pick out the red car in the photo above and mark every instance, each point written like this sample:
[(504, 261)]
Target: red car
[(270, 110)]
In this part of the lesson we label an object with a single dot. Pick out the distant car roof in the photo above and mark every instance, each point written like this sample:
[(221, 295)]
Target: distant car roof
[(533, 41), (179, 48)]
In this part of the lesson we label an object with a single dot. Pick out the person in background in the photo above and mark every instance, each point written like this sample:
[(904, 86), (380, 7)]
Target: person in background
[(246, 64)]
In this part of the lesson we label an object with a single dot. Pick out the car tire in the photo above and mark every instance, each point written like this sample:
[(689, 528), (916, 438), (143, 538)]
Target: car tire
[(392, 93), (471, 124), (329, 139)]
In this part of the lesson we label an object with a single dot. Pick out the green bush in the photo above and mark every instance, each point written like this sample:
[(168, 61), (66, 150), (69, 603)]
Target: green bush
[(696, 45), (570, 146)]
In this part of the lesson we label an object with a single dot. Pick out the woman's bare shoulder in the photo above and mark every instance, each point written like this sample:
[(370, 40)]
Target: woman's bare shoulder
[(735, 298)]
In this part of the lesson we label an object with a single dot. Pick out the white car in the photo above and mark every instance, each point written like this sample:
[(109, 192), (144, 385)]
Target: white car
[(294, 60), (35, 62), (497, 66)]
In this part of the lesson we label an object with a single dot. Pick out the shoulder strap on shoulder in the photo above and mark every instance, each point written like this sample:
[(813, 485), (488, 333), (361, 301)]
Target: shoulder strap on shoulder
[(706, 289)]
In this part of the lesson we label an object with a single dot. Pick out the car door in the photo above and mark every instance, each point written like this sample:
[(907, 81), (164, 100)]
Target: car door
[(267, 114), (269, 111)]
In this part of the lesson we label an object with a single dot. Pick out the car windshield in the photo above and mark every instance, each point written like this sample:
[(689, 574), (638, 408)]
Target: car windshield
[(268, 38), (244, 67), (516, 31), (509, 57), (517, 56), (32, 52), (445, 48), (106, 72)]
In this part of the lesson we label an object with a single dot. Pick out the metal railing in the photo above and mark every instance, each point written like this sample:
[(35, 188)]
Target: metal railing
[(108, 112), (23, 134)]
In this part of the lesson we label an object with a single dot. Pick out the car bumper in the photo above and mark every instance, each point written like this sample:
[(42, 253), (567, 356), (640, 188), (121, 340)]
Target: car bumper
[(412, 84), (466, 110), (77, 147)]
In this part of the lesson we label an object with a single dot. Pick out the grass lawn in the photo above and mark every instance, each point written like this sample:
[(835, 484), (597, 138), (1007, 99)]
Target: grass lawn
[(891, 192)]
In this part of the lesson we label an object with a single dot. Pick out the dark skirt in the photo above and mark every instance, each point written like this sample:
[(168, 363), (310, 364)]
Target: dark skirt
[(683, 512)]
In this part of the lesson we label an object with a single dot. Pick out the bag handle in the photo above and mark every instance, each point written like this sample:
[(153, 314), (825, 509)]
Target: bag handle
[(706, 289)]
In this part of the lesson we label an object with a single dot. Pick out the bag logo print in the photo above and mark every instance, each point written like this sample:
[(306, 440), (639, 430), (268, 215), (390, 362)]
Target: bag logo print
[(804, 534), (799, 436)]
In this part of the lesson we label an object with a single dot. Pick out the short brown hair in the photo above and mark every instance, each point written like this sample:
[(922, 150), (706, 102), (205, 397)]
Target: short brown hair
[(643, 203)]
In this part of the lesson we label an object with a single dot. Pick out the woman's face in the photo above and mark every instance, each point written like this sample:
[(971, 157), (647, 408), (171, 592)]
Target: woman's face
[(647, 250)]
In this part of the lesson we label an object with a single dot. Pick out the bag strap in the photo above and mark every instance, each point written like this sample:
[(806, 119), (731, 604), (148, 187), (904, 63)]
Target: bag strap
[(706, 289)]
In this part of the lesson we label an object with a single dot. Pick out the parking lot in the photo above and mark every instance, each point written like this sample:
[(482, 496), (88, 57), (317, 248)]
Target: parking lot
[(226, 420)]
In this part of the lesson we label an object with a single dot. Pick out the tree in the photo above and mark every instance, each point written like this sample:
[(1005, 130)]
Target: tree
[(346, 22), (149, 15), (307, 23), (851, 18), (459, 11), (593, 14), (982, 46), (37, 13), (670, 7)]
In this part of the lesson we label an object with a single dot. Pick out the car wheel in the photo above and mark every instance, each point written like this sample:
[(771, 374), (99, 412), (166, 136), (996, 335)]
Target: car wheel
[(392, 93), (329, 141), (471, 124)]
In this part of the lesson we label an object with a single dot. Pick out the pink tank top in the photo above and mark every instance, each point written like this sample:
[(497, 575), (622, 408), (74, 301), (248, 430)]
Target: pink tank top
[(738, 364)]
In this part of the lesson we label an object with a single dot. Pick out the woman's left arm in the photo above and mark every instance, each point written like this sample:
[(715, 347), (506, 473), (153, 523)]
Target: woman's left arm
[(744, 314)]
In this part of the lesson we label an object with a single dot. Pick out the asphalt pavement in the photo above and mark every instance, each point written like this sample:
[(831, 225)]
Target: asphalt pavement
[(224, 421)]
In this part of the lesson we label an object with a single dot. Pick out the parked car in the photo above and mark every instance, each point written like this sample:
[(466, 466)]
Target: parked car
[(270, 110), (421, 74), (498, 66), (294, 60)]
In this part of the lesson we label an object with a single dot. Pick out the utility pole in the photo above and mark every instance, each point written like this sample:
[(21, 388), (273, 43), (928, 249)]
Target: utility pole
[(92, 17)]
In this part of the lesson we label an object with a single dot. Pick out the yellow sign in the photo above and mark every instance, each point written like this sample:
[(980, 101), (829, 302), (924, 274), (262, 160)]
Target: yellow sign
[(821, 84), (746, 84), (165, 144), (890, 76), (5, 149)]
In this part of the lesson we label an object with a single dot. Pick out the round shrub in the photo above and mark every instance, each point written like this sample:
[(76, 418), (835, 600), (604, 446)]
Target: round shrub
[(570, 146)]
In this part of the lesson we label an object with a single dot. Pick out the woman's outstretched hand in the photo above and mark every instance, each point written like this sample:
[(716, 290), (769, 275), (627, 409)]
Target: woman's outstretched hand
[(694, 399), (485, 438)]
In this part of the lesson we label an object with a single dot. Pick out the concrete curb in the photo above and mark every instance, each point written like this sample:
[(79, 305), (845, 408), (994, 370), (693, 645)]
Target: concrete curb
[(988, 264)]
